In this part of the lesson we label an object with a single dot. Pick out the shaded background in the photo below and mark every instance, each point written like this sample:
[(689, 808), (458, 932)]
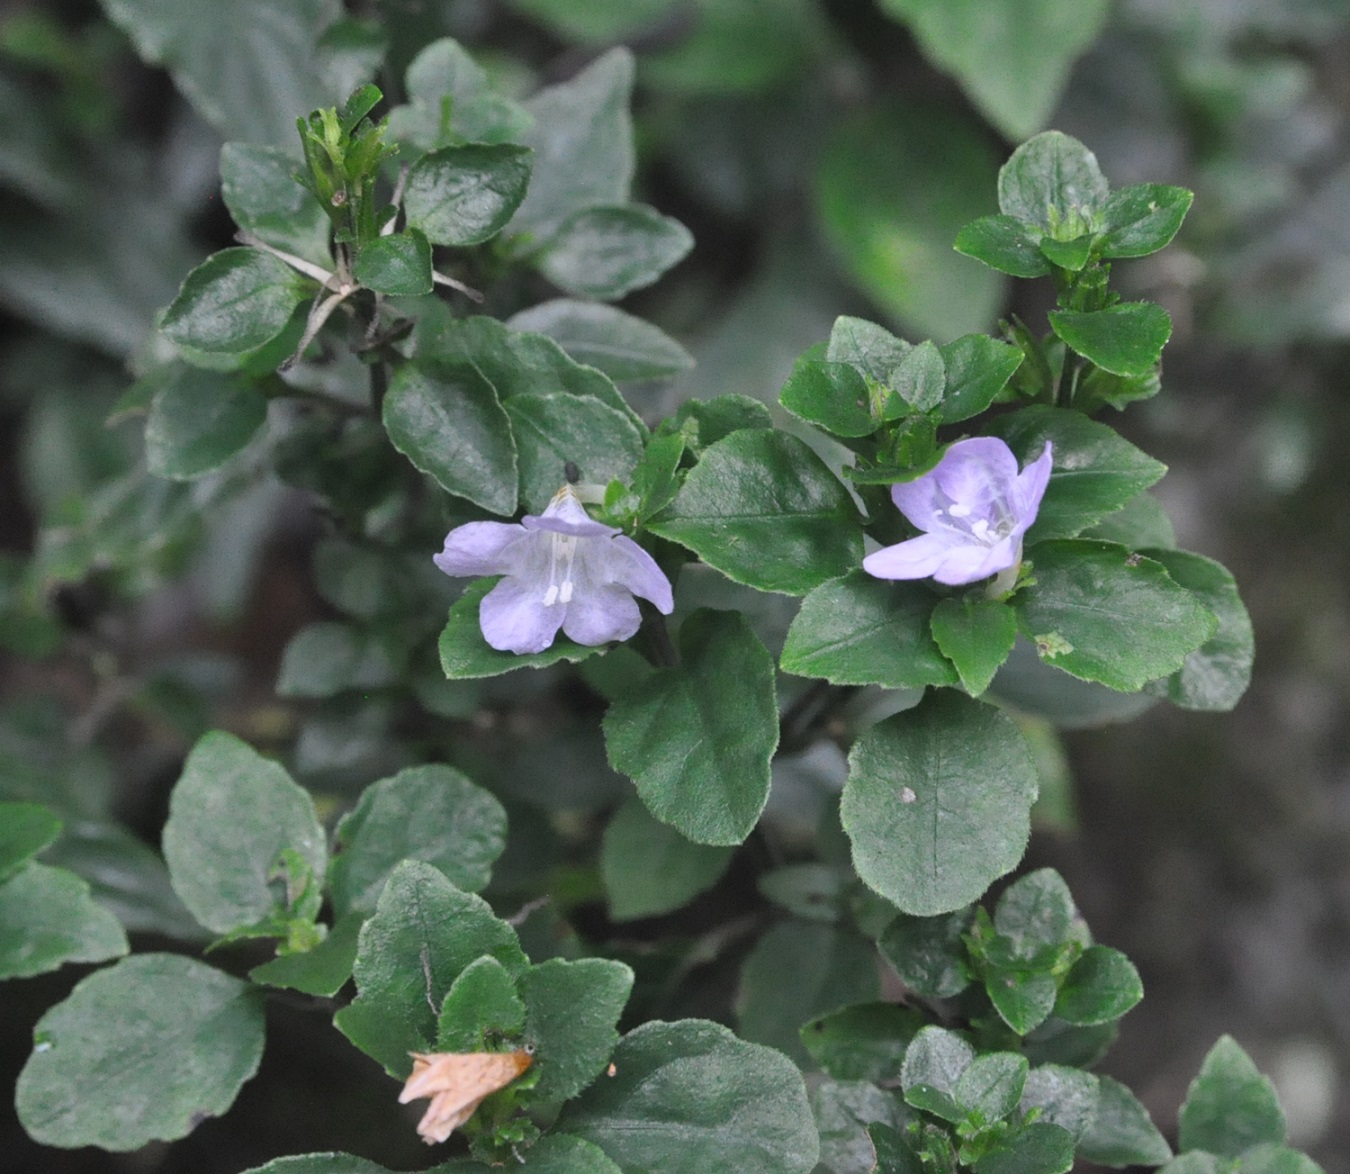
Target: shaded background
[(823, 152)]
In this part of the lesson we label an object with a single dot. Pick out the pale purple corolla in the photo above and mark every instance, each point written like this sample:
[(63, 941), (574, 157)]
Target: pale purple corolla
[(973, 508), (563, 570)]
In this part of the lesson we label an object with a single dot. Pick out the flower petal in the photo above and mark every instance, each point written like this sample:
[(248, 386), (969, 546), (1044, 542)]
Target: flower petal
[(514, 619), (970, 564), (632, 567), (916, 558), (481, 548), (602, 614), (1029, 488), (566, 515), (975, 474)]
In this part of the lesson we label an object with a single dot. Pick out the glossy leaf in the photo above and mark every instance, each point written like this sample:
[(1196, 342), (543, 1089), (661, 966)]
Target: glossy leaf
[(1054, 184), (1230, 1105), (48, 918), (430, 813), (571, 1012), (689, 1097), (424, 933), (832, 395), (649, 868), (234, 301), (607, 252), (196, 1035), (1003, 243), (1038, 1148), (323, 970), (1100, 987), (976, 635), (622, 346), (697, 739), (447, 420), (198, 420), (858, 630), (398, 264), (1122, 1133), (231, 816), (1103, 614), (1142, 219), (1023, 998), (464, 195), (978, 368), (25, 829), (1125, 339), (937, 803), (764, 510)]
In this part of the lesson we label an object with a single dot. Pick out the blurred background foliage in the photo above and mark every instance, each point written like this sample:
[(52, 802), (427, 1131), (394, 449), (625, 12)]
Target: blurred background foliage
[(824, 153)]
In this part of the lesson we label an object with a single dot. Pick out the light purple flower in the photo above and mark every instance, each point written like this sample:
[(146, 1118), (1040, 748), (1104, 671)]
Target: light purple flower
[(563, 570), (973, 509)]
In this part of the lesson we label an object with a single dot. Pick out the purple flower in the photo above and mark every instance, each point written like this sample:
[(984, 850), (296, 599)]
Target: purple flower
[(973, 509), (563, 570)]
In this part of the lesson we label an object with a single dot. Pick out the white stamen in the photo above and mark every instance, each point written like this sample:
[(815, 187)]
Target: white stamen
[(551, 595), (959, 510), (981, 530), (566, 593)]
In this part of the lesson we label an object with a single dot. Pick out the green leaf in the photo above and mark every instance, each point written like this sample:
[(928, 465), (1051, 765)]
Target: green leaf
[(764, 510), (47, 918), (1023, 999), (1100, 987), (1103, 614), (465, 195), (858, 1123), (875, 187), (446, 419), (928, 953), (195, 1036), (582, 136), (1003, 243), (1122, 1133), (992, 1085), (398, 264), (657, 480), (322, 971), (934, 1062), (697, 739), (649, 868), (1071, 254), (1036, 911), (429, 813), (465, 654), (978, 368), (1214, 677), (1141, 522), (1266, 1158), (858, 630), (871, 349), (325, 658), (329, 1163), (599, 22), (607, 252), (1125, 339), (424, 933), (689, 1097), (1197, 1162), (25, 829), (1011, 59), (832, 395), (199, 419), (1038, 1148), (704, 422), (249, 68), (259, 188), (937, 803), (1096, 471), (1064, 1096), (1230, 1106), (552, 430), (1142, 219), (817, 892), (920, 378), (234, 301), (231, 816), (866, 1041), (976, 635), (798, 971), (450, 98), (572, 1010), (481, 1008), (604, 337), (1053, 183)]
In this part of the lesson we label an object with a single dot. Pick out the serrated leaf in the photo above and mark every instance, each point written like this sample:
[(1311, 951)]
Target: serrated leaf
[(1125, 339), (1003, 243), (1230, 1106), (196, 1036), (607, 252), (604, 337), (869, 348), (1214, 677), (25, 829), (1022, 998), (978, 368), (1103, 614), (689, 1097), (1053, 183), (199, 419), (1095, 470), (832, 395), (1036, 911), (482, 1007), (928, 953), (429, 813), (424, 933), (1142, 219), (764, 510), (465, 195), (649, 868), (572, 1010), (231, 816), (937, 802), (48, 918), (258, 186), (976, 635), (234, 301), (1100, 987), (697, 739), (398, 264), (1122, 1133), (859, 630), (446, 419)]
